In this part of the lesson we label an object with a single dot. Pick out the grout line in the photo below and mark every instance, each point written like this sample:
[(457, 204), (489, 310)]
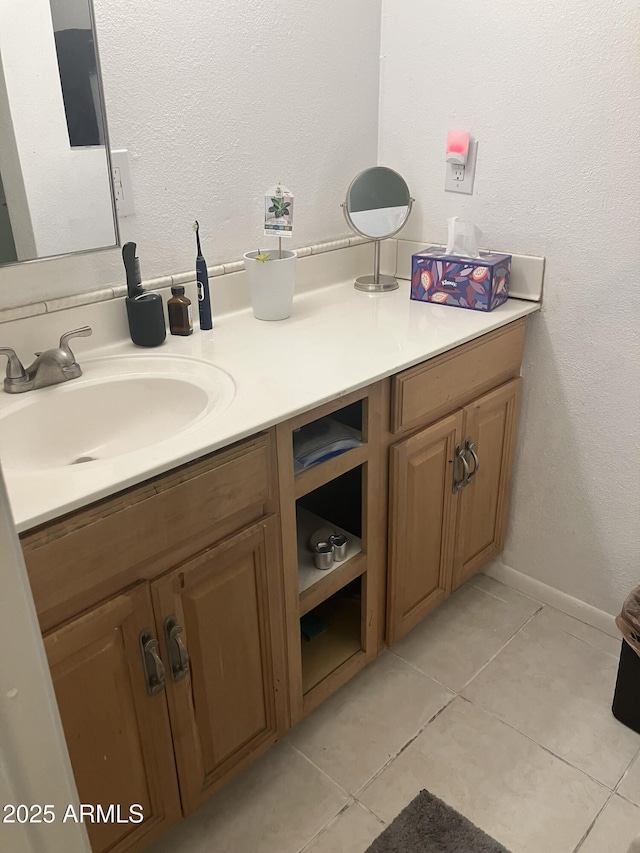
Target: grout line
[(577, 619), (324, 772), (350, 797), (579, 610), (495, 595), (336, 817), (371, 812), (422, 672), (524, 734), (586, 642), (582, 639), (592, 824), (555, 610), (501, 649), (625, 798), (466, 684), (623, 777), (458, 694), (399, 751), (408, 743), (332, 820), (537, 743), (389, 760)]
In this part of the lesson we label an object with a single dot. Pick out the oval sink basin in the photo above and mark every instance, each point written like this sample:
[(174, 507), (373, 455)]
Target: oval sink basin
[(119, 405)]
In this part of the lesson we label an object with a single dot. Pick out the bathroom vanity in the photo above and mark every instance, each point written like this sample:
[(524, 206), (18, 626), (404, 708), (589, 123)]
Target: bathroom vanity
[(162, 616), (171, 608)]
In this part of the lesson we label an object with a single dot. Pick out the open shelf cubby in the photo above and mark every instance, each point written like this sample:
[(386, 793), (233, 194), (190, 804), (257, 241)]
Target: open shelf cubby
[(327, 446), (336, 505), (315, 585), (338, 502), (341, 492), (338, 621)]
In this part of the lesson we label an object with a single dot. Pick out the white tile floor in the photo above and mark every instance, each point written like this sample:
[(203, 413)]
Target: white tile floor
[(495, 703)]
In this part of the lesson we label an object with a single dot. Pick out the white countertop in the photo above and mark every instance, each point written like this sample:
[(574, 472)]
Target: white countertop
[(336, 341)]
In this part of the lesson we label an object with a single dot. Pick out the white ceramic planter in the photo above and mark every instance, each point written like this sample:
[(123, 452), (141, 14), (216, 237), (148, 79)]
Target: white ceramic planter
[(271, 284)]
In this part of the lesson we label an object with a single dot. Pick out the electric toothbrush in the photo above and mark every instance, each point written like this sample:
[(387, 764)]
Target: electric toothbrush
[(204, 297)]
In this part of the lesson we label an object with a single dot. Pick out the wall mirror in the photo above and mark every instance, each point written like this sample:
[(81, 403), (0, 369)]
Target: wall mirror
[(377, 206), (56, 193)]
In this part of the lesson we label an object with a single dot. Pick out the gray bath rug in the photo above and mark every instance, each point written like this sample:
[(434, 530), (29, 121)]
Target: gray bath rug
[(427, 825)]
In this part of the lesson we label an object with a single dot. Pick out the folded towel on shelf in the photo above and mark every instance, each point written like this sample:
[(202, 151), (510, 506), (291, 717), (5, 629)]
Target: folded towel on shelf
[(321, 440)]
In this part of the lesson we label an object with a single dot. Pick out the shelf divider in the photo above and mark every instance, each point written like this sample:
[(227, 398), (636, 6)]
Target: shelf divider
[(334, 581), (322, 473)]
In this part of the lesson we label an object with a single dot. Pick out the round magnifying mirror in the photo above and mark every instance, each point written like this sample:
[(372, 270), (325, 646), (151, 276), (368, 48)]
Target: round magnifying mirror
[(377, 206)]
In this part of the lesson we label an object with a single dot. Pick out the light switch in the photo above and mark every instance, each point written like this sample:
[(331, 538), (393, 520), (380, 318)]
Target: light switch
[(122, 187)]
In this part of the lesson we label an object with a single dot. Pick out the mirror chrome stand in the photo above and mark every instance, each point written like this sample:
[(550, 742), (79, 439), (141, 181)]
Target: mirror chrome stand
[(377, 206), (376, 283)]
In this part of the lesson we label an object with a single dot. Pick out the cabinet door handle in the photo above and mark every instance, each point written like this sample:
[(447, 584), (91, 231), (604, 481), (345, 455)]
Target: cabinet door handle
[(151, 663), (471, 448), (460, 458), (176, 649)]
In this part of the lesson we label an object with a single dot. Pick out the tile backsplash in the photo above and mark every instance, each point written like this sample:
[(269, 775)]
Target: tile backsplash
[(527, 273)]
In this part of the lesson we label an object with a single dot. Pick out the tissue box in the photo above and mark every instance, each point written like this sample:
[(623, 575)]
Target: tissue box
[(478, 283)]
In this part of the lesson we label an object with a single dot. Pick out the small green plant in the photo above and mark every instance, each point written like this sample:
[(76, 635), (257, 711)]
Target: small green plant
[(263, 256), (280, 207)]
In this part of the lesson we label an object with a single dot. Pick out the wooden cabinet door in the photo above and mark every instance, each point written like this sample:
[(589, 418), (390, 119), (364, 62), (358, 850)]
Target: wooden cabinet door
[(422, 525), (490, 423), (117, 734), (229, 708)]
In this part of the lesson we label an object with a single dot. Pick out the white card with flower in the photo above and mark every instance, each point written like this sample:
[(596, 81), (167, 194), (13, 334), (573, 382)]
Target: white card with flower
[(278, 212)]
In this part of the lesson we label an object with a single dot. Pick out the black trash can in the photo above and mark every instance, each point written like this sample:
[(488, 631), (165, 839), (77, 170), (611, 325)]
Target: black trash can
[(626, 699)]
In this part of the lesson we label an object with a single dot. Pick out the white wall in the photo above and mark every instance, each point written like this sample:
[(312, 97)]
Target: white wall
[(552, 92), (216, 102)]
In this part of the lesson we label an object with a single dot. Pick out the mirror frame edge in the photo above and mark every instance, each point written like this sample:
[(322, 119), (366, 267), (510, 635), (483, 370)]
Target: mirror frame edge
[(347, 215), (107, 147)]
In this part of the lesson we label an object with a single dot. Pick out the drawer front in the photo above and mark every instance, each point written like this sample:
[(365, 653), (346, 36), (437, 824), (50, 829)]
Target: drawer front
[(78, 561), (436, 388)]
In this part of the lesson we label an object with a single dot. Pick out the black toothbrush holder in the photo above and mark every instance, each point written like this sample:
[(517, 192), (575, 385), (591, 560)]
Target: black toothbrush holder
[(145, 311), (146, 319)]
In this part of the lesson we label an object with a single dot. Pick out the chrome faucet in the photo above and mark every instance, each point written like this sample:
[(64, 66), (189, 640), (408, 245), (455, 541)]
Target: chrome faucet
[(50, 367)]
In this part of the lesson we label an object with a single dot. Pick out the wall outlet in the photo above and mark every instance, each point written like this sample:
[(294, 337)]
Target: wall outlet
[(122, 187), (459, 179)]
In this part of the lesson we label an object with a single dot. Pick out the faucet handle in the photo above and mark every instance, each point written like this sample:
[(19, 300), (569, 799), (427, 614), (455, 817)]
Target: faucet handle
[(15, 370), (82, 332), (16, 379)]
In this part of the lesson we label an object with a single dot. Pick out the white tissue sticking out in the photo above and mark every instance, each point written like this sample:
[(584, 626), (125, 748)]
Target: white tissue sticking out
[(462, 237)]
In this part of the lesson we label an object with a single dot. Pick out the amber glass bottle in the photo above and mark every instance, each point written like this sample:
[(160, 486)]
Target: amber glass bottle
[(179, 306)]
